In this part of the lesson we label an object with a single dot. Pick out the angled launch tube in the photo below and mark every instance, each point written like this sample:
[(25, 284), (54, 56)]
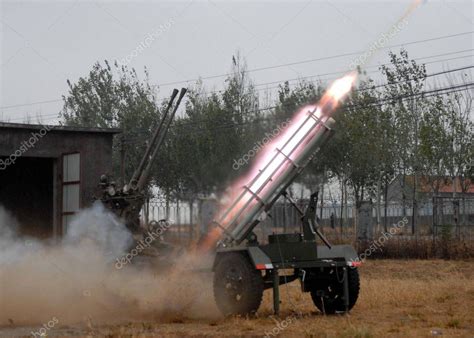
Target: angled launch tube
[(277, 174), (152, 144), (143, 179)]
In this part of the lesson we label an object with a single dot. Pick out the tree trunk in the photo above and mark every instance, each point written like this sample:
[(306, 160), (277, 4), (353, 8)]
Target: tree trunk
[(322, 197), (385, 219), (414, 207), (146, 212), (122, 161), (346, 208), (178, 219), (404, 212), (378, 201), (191, 224), (341, 218), (415, 174), (434, 216), (167, 205), (322, 202)]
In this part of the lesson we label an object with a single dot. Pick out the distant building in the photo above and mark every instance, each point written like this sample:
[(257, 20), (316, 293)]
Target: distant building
[(48, 173), (425, 187)]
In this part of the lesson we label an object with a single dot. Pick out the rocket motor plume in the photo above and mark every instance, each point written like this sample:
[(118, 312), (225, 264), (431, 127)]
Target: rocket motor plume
[(290, 137)]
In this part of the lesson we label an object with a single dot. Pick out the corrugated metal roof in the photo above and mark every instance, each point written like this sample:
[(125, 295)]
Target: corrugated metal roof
[(59, 128)]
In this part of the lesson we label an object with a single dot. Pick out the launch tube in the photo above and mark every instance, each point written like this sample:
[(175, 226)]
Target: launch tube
[(284, 166)]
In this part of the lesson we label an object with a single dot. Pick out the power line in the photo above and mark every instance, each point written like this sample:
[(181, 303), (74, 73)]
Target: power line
[(380, 102), (281, 81), (375, 67), (419, 94), (335, 78), (316, 59), (29, 104), (427, 76), (358, 89)]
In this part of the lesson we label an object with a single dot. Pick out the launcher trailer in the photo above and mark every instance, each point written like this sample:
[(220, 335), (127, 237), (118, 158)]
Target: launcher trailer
[(244, 268)]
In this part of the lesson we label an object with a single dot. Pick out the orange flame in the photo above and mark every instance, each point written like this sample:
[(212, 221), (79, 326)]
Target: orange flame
[(342, 86)]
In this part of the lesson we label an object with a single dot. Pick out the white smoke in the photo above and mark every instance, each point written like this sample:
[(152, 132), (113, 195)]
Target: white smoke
[(94, 225), (75, 280), (102, 228), (12, 247)]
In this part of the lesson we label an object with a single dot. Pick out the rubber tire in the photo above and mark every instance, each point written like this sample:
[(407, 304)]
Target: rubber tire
[(249, 282), (336, 304)]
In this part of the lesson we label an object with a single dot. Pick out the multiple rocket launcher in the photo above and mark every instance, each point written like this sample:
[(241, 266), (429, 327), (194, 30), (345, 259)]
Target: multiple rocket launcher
[(280, 164)]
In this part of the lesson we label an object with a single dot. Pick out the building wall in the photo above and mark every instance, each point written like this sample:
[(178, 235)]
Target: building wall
[(95, 149), (32, 207)]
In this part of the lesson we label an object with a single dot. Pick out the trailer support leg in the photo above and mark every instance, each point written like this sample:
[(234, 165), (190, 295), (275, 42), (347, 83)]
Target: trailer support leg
[(346, 289), (276, 292)]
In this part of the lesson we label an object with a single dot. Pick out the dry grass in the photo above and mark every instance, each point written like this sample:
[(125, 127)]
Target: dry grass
[(421, 248), (417, 298)]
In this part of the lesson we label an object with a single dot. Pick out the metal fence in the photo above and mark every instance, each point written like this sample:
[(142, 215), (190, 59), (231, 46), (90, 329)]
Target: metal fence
[(182, 216), (453, 216), (435, 217)]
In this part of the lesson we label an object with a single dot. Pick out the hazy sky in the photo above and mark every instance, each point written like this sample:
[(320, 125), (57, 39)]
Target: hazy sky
[(43, 43)]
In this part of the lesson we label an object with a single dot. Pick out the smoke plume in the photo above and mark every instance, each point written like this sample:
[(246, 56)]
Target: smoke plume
[(75, 280)]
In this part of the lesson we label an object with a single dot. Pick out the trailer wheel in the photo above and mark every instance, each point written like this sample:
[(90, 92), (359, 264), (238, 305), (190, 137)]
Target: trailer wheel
[(238, 286), (328, 295)]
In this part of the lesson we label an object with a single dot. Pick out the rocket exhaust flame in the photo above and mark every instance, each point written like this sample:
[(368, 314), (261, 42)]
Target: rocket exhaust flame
[(278, 164)]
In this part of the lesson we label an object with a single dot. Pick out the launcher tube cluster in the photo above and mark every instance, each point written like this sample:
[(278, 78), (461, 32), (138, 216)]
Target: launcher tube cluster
[(275, 175)]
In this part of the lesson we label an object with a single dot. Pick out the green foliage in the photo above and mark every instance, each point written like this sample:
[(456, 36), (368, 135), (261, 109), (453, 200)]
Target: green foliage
[(359, 141), (381, 131), (405, 79), (434, 143), (215, 131), (460, 137), (114, 97)]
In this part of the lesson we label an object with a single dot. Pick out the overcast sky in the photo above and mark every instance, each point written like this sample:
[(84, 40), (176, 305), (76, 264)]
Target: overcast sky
[(45, 43)]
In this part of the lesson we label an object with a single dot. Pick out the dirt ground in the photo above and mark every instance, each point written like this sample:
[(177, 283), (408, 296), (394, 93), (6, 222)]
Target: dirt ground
[(398, 298)]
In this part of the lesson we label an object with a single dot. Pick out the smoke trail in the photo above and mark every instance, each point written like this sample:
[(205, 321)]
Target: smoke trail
[(76, 280)]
